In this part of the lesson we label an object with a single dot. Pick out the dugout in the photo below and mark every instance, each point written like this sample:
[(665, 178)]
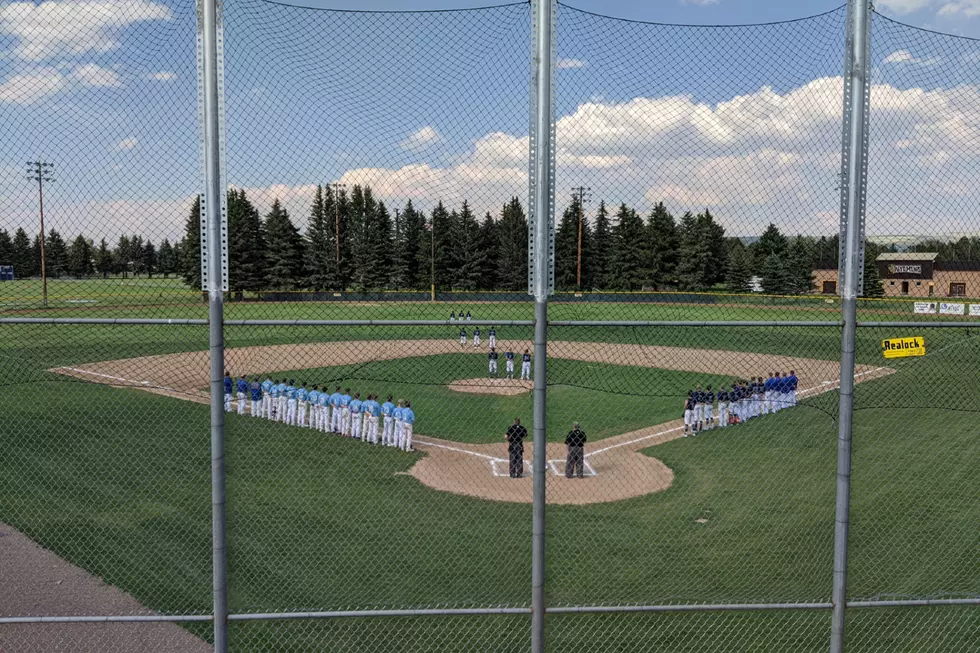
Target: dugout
[(915, 274)]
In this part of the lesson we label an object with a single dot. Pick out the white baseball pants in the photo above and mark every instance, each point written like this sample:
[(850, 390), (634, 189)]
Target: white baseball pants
[(476, 341), (345, 421), (355, 425), (493, 367), (227, 403), (388, 434), (526, 371)]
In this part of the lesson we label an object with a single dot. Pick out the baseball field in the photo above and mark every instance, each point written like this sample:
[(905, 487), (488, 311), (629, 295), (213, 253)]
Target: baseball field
[(106, 465)]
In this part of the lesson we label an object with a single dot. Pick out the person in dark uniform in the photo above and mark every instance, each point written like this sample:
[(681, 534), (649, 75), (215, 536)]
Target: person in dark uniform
[(575, 462), (515, 447)]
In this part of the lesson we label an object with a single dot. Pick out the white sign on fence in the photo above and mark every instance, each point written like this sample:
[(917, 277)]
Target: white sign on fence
[(925, 307), (952, 309), (974, 309)]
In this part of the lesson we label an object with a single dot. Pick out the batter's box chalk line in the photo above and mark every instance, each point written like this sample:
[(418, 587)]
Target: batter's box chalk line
[(501, 467), (557, 467)]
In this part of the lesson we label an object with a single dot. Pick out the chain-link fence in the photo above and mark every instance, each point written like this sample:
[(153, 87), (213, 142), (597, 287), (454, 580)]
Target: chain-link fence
[(366, 478)]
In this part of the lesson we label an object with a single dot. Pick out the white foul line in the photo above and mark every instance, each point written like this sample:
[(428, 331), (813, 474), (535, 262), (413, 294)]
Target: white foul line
[(472, 453), (645, 437)]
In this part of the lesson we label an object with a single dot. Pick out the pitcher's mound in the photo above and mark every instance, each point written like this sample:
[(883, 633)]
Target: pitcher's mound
[(494, 386)]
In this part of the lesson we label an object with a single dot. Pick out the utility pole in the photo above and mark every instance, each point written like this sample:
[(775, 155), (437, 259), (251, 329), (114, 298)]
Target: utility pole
[(337, 189), (41, 171), (432, 257), (581, 195)]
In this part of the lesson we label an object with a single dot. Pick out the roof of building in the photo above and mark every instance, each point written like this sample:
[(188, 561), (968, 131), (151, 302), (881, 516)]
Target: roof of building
[(908, 256)]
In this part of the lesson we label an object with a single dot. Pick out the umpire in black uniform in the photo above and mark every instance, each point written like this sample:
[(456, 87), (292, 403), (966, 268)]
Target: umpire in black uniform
[(575, 462), (515, 447)]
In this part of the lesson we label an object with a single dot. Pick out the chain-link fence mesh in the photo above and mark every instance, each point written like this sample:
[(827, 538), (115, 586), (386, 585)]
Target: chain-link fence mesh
[(377, 165)]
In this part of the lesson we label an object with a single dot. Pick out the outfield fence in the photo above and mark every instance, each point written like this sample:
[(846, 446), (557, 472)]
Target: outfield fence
[(759, 471)]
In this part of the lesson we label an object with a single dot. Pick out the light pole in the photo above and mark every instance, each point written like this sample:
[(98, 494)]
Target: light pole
[(580, 194), (41, 171), (337, 189), (431, 226)]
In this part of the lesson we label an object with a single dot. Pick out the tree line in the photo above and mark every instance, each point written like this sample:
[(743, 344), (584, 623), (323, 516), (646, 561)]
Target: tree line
[(353, 242)]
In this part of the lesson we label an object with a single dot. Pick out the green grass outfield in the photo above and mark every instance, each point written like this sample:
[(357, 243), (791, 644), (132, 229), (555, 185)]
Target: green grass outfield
[(117, 481)]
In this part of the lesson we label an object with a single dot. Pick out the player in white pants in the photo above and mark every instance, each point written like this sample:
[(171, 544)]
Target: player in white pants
[(462, 337), (255, 389), (723, 407), (302, 403), (291, 403), (242, 387), (399, 424), (509, 361), (408, 425), (492, 361), (336, 418), (283, 399), (526, 366), (345, 400), (228, 388), (492, 338), (373, 416), (476, 338), (354, 417), (388, 430)]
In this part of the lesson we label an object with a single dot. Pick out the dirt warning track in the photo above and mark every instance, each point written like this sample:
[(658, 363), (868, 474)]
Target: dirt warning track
[(620, 471)]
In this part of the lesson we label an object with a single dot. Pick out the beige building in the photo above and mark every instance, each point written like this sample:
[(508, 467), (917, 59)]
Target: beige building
[(915, 274)]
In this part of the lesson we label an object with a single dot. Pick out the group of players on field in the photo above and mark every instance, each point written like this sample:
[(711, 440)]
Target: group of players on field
[(746, 399), (340, 413)]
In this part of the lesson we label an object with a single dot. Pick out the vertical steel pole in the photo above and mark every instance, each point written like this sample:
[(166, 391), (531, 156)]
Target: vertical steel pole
[(44, 266), (213, 190), (543, 200), (853, 190)]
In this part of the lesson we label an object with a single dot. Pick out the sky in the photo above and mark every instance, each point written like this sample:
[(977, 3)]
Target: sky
[(743, 121)]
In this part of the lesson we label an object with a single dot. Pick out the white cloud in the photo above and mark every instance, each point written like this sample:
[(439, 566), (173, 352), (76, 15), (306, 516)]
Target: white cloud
[(904, 56), (422, 139), (127, 144), (967, 8), (95, 75), (564, 62), (700, 3), (32, 87), (73, 27), (162, 76), (902, 6)]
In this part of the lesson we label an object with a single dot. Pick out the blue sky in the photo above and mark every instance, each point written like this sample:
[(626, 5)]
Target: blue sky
[(744, 121)]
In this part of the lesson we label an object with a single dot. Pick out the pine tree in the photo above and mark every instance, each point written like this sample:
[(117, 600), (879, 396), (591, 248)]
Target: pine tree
[(695, 269), (55, 254), (23, 255), (771, 242), (628, 250), (773, 273), (738, 274), (398, 276), (799, 267), (149, 258), (512, 253), (415, 239), (600, 251), (122, 256), (136, 255), (166, 259), (714, 241), (246, 245), (320, 250), (662, 242), (190, 248), (284, 249), (489, 245), (79, 262), (380, 245), (466, 256), (566, 247), (103, 259), (6, 248), (441, 224), (873, 286)]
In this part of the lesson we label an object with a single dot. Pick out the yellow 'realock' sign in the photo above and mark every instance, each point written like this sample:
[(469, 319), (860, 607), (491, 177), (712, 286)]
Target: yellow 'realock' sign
[(902, 347)]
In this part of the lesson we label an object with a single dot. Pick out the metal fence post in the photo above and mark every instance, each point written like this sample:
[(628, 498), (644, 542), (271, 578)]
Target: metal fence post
[(854, 172), (213, 201), (542, 189)]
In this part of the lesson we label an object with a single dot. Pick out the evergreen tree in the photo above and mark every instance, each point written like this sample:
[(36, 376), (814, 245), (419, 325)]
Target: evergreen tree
[(398, 277), (122, 256), (600, 251), (441, 223), (662, 242), (772, 242), (566, 247), (136, 252), (6, 248), (166, 259), (696, 270), (284, 249), (103, 259), (512, 254), (36, 255), (321, 250), (55, 254), (79, 262), (190, 248), (466, 256), (380, 238), (738, 273), (23, 255), (415, 239), (714, 241), (799, 267), (246, 245), (773, 273), (628, 250), (489, 246), (149, 258), (873, 286)]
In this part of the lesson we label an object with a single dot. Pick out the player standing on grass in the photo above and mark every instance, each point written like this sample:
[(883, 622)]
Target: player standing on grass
[(228, 388), (723, 407), (492, 335), (476, 337), (398, 414), (462, 337), (336, 416), (468, 316), (709, 407), (315, 406), (698, 397), (515, 447), (408, 421), (492, 357), (242, 387), (302, 402), (526, 365), (291, 403), (256, 391), (345, 400), (267, 398), (452, 316), (509, 356), (324, 402), (282, 414), (355, 416), (388, 430), (777, 393), (793, 384), (375, 414)]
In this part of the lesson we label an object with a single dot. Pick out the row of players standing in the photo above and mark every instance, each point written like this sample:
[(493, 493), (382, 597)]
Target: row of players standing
[(747, 399), (340, 413)]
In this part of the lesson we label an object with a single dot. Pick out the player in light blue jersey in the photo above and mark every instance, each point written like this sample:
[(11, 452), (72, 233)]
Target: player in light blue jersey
[(355, 416), (399, 424), (281, 408), (302, 402), (388, 430), (255, 389), (408, 419), (315, 407), (266, 410), (345, 400), (373, 417), (274, 393), (291, 403), (336, 417)]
